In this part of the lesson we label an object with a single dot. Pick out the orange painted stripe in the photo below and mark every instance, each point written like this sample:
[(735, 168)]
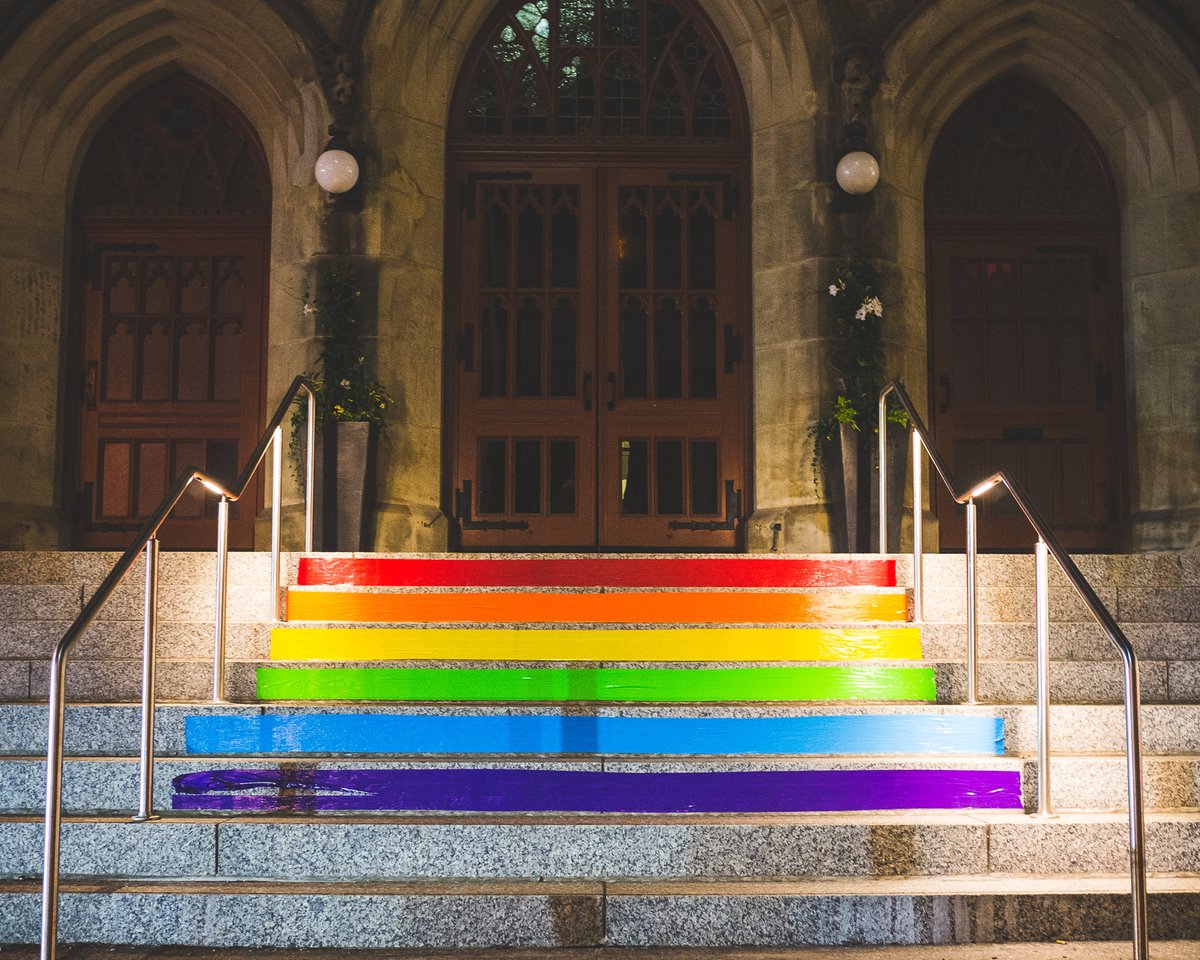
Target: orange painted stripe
[(641, 607)]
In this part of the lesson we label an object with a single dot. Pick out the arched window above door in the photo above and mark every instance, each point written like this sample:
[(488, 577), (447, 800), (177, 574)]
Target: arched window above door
[(1013, 152), (175, 147), (598, 69)]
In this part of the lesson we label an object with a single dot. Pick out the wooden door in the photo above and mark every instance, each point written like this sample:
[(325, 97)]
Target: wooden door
[(671, 455), (525, 364), (601, 391), (1023, 381), (1024, 318), (597, 395), (172, 378), (173, 215)]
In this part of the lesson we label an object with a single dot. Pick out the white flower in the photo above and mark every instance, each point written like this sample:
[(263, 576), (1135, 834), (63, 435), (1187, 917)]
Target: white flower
[(872, 306), (833, 289), (310, 309), (344, 383)]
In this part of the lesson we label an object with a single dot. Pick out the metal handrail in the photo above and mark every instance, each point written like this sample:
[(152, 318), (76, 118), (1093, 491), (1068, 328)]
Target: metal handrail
[(1047, 545), (147, 539)]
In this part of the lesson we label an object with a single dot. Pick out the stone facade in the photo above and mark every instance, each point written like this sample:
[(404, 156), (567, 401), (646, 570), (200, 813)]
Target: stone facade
[(1129, 68)]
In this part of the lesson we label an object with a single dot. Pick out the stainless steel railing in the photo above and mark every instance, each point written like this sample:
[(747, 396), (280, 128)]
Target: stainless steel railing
[(147, 541), (1047, 545)]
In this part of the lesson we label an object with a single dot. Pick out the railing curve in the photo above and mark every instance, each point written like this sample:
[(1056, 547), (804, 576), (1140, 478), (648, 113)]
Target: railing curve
[(1047, 546), (147, 540)]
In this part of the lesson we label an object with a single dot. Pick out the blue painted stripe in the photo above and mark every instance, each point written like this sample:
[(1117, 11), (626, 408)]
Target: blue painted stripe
[(392, 734)]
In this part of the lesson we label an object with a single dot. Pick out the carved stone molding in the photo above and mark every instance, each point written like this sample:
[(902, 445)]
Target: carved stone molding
[(856, 74)]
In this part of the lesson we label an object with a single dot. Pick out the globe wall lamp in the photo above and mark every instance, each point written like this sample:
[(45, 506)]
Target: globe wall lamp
[(858, 172), (336, 171)]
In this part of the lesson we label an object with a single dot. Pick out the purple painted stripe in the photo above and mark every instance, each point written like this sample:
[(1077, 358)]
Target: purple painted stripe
[(544, 790)]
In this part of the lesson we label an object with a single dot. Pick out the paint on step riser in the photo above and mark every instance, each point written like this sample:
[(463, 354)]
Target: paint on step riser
[(680, 572), (606, 684), (640, 607), (553, 734), (682, 645), (777, 791)]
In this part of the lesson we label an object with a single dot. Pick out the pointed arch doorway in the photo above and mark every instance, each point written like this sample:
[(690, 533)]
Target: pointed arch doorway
[(1024, 318), (172, 220), (597, 333)]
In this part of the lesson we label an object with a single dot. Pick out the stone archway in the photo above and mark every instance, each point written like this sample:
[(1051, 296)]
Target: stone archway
[(1026, 352), (173, 215), (597, 384), (1141, 110)]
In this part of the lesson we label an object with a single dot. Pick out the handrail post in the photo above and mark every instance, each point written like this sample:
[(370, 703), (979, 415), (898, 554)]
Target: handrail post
[(53, 833), (918, 520), (883, 472), (1137, 816), (310, 470), (1042, 589), (972, 615), (222, 591), (276, 520), (149, 644)]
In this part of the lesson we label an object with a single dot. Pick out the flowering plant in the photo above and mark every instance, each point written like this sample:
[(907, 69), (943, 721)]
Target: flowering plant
[(346, 390), (857, 357)]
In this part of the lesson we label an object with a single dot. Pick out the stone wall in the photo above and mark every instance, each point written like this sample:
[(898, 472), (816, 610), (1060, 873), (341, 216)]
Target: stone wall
[(78, 62)]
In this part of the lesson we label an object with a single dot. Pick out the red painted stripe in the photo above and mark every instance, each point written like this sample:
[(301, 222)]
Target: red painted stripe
[(596, 572)]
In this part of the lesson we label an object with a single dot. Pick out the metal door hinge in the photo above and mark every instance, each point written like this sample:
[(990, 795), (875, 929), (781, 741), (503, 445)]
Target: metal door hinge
[(733, 510), (462, 513)]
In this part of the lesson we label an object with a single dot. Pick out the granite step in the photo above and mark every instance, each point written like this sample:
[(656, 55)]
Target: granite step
[(110, 784), (106, 729), (1086, 782), (356, 846), (475, 915)]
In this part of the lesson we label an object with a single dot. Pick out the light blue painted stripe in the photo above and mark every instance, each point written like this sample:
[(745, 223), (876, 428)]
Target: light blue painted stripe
[(392, 734)]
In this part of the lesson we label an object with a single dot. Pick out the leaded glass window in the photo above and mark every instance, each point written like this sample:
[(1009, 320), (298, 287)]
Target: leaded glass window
[(599, 68)]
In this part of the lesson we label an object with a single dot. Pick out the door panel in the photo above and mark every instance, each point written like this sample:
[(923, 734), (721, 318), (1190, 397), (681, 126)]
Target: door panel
[(1023, 361), (171, 380), (526, 371), (599, 392), (671, 428)]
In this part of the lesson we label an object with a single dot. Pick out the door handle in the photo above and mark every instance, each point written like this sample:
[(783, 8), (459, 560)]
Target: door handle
[(944, 382), (587, 390), (466, 348), (1103, 387), (612, 390), (90, 375)]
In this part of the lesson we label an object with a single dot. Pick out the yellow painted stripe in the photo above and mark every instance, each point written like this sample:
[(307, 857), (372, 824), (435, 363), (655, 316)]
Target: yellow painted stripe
[(731, 644), (633, 607)]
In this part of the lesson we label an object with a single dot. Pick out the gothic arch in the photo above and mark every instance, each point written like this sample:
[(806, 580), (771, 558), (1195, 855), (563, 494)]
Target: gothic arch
[(602, 113), (1139, 100), (168, 325), (66, 73)]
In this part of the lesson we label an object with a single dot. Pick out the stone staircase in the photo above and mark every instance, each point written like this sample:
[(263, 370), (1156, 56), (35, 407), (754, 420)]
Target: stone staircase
[(538, 752)]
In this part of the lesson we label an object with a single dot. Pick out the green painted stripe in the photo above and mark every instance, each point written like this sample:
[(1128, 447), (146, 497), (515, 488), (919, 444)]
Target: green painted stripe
[(603, 683)]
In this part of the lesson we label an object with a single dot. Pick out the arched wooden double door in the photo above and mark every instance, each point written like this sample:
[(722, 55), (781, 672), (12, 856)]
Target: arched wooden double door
[(1024, 315), (173, 221), (597, 332)]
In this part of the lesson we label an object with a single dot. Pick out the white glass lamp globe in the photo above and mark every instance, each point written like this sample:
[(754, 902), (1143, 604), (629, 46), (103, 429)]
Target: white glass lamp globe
[(336, 171), (858, 172)]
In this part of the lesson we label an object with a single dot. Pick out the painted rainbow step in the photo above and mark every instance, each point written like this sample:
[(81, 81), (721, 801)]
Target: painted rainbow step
[(686, 644), (389, 734), (680, 572), (623, 607), (774, 791), (599, 684)]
